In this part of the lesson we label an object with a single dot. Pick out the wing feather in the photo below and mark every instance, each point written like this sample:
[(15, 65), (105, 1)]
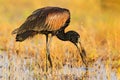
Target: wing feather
[(56, 20), (45, 19)]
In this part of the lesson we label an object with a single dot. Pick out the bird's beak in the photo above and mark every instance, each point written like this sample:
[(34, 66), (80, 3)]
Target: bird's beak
[(82, 52)]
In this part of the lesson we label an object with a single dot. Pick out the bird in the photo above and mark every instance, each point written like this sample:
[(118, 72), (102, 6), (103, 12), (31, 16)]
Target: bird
[(50, 20)]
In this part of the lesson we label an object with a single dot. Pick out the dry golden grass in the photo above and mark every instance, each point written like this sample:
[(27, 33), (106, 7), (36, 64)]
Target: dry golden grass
[(97, 21)]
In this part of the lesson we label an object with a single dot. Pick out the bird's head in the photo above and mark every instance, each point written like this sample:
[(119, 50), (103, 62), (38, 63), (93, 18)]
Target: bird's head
[(74, 37)]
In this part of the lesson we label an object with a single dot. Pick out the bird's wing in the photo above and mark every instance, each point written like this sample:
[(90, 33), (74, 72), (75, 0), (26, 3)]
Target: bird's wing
[(48, 19), (32, 22), (56, 20)]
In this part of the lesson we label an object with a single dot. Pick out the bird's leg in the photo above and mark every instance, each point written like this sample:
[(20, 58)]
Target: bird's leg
[(48, 52), (49, 58), (50, 40)]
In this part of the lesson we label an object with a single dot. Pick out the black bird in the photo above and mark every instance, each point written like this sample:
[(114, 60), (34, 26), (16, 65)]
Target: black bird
[(50, 20)]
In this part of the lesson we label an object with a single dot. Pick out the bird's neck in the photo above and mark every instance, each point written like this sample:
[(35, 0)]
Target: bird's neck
[(62, 35)]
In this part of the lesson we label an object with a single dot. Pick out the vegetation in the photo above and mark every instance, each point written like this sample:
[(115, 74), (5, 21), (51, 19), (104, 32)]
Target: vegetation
[(97, 21)]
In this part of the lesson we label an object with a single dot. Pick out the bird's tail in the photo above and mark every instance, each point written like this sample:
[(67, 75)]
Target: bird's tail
[(15, 31), (23, 36)]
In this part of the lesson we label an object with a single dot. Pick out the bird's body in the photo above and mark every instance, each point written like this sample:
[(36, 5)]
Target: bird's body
[(44, 20), (49, 20)]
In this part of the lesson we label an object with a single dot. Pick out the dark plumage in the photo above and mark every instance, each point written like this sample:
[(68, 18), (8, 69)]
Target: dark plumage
[(49, 20)]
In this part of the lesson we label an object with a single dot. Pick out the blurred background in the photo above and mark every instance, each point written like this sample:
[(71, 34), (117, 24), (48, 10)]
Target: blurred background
[(97, 21), (98, 16)]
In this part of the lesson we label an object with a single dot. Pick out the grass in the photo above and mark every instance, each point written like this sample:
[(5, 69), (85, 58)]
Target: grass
[(96, 21)]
